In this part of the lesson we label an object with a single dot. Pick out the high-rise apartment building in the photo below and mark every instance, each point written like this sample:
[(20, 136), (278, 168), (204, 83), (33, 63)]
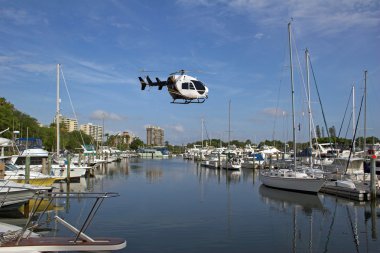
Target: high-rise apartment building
[(94, 131), (154, 136), (69, 124)]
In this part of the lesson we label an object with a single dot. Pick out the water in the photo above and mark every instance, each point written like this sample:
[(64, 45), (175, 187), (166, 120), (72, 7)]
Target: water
[(177, 206)]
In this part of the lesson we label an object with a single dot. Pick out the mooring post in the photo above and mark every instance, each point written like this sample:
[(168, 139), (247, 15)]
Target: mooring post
[(49, 165), (27, 169), (68, 168), (2, 169), (373, 177), (218, 166), (253, 161)]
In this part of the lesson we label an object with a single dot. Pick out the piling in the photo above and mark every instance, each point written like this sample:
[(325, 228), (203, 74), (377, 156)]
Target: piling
[(218, 161), (253, 163), (68, 168), (373, 177), (49, 164), (2, 169), (27, 169), (44, 165)]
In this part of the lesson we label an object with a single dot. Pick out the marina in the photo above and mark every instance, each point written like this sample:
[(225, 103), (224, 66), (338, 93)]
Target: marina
[(189, 126), (178, 205)]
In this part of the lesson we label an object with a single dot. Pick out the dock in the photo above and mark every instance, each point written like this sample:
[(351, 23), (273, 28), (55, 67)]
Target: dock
[(360, 193)]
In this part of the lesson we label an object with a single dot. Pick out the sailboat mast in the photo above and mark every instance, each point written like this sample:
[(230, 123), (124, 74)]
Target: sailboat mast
[(292, 87), (353, 117), (202, 131), (365, 113), (57, 112), (309, 106), (229, 123)]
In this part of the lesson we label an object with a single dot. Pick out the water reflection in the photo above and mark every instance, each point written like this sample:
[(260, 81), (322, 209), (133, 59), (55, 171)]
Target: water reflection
[(178, 206), (283, 200)]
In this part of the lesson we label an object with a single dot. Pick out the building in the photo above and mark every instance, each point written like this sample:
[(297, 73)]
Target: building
[(94, 131), (154, 136), (123, 138), (69, 124)]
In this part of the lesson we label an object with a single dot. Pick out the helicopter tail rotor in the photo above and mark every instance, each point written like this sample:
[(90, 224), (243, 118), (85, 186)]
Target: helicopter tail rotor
[(143, 83)]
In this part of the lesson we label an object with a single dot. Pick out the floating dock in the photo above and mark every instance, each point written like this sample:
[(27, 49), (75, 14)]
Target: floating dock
[(360, 193)]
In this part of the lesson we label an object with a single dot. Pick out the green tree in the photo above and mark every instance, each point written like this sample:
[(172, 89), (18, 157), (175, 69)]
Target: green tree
[(136, 143)]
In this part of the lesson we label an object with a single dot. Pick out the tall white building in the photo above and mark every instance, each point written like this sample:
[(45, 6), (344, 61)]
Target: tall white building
[(94, 131), (154, 136), (69, 124)]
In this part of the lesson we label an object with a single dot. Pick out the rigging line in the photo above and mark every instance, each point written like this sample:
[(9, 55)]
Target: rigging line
[(71, 102), (204, 125), (348, 126), (278, 94), (353, 138), (345, 112), (320, 102)]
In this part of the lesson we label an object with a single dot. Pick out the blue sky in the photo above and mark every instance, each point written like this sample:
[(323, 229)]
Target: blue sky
[(238, 48)]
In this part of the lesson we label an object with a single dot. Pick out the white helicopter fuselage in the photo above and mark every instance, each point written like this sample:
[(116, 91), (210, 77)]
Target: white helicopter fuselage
[(186, 87)]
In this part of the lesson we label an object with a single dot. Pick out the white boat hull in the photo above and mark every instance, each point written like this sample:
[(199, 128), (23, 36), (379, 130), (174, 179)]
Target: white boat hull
[(311, 185)]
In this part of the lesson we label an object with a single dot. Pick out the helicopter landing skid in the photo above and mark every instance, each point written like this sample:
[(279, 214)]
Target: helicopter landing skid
[(192, 101)]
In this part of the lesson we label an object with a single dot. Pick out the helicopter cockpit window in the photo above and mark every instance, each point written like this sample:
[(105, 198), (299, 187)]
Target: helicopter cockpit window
[(185, 86), (199, 85), (191, 86)]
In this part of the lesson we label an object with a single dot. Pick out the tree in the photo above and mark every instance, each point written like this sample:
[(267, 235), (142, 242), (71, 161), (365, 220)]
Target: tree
[(136, 143)]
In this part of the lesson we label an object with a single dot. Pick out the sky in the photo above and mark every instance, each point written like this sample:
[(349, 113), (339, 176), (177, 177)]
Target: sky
[(238, 48)]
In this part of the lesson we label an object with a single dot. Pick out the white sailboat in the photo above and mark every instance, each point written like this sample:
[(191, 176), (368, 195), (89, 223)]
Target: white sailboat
[(292, 179)]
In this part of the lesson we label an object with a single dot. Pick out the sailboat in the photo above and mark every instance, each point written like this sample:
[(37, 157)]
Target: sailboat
[(60, 170), (292, 178)]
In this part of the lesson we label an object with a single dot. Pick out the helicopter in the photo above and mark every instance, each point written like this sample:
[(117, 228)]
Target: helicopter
[(183, 88)]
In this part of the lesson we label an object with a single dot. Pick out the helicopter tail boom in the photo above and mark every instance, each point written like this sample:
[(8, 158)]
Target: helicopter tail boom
[(149, 82)]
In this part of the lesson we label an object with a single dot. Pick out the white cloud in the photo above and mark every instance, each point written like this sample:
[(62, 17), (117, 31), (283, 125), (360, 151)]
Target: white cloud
[(176, 128), (275, 111), (21, 17), (39, 68), (258, 36), (100, 115), (325, 17)]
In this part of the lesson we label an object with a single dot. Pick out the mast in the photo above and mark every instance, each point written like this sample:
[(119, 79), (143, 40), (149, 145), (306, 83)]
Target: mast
[(229, 123), (353, 117), (292, 87), (365, 113), (57, 116), (309, 106), (202, 132)]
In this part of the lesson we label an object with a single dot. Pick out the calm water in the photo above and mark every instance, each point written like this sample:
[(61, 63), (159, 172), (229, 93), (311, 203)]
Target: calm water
[(177, 206)]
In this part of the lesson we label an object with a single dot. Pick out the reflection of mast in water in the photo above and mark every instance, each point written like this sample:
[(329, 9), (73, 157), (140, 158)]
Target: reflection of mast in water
[(294, 229), (229, 215), (354, 228)]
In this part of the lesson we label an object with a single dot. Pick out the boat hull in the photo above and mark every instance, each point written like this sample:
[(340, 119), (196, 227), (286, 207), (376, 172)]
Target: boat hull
[(63, 244), (309, 185)]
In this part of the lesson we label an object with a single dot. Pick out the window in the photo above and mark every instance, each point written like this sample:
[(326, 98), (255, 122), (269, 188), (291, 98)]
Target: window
[(185, 86), (199, 85)]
